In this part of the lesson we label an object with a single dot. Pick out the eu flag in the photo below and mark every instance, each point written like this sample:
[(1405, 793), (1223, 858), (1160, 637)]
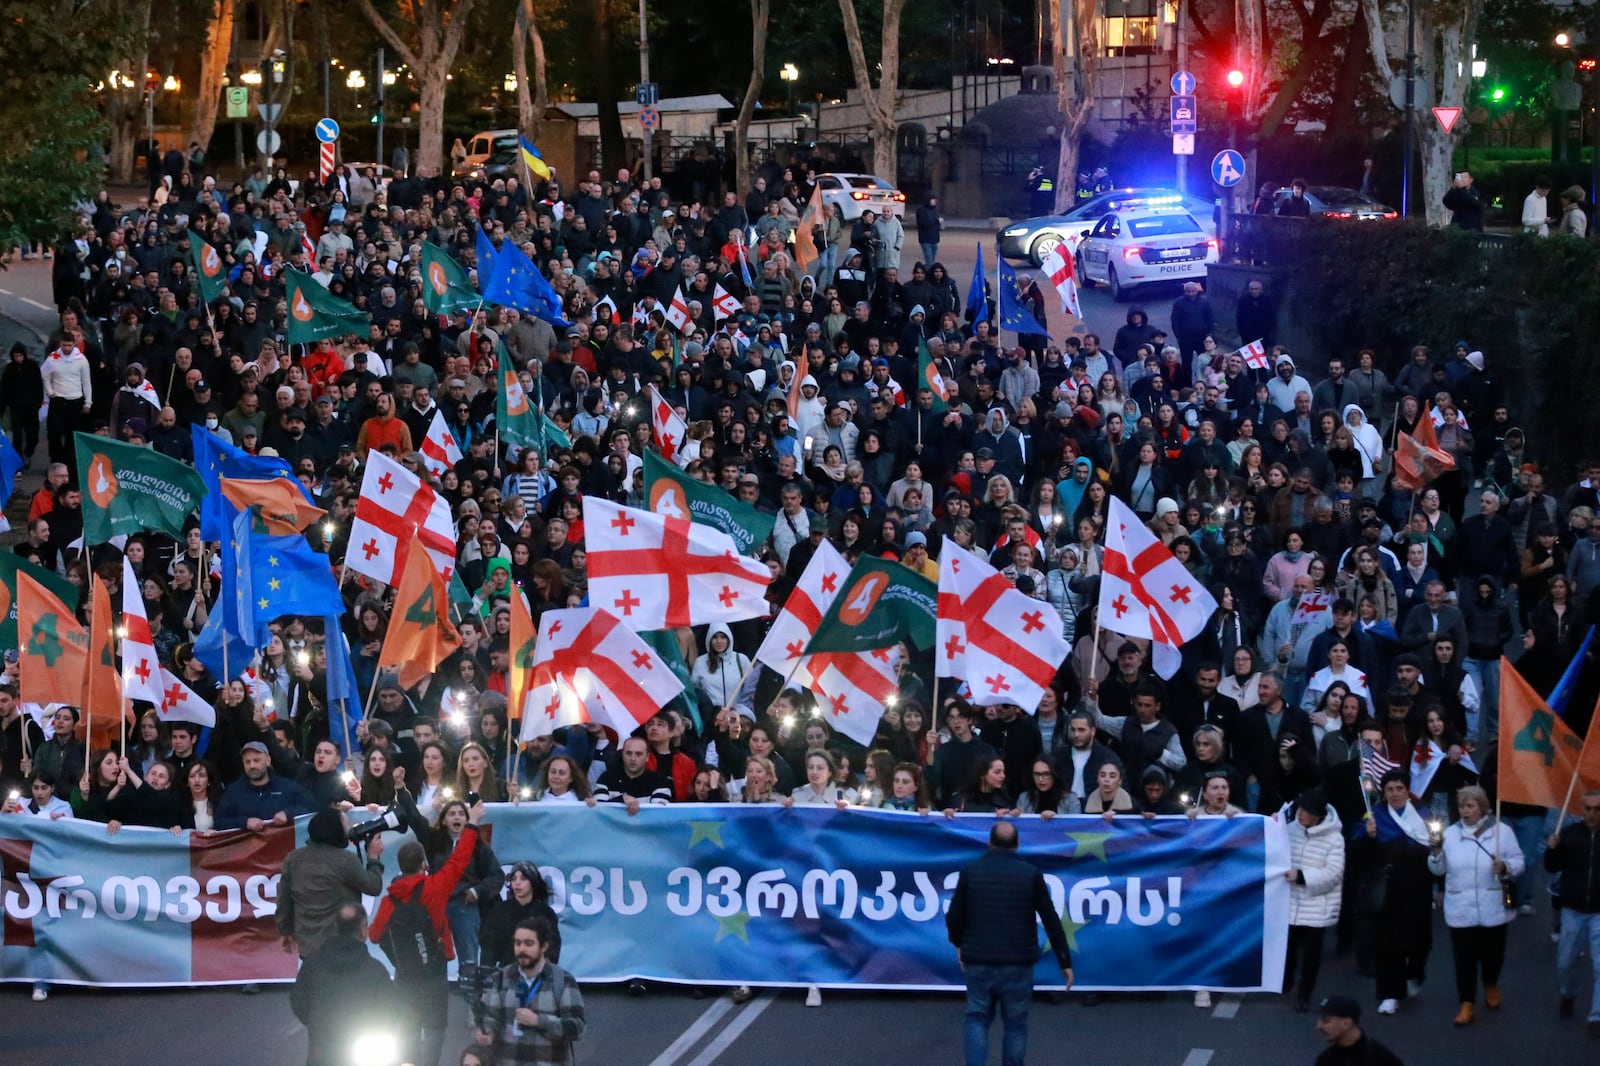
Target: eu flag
[(486, 260), (1014, 313), (977, 300), (343, 692), (216, 459), (517, 282), (11, 461), (267, 576)]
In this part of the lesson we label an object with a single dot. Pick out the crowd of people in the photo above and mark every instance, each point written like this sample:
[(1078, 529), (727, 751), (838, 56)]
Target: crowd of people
[(1354, 616)]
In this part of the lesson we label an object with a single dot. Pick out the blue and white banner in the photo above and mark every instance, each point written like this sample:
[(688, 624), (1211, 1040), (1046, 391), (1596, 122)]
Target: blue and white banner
[(701, 894)]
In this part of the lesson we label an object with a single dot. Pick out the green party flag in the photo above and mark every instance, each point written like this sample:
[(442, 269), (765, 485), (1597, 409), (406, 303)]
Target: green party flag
[(128, 489), (675, 494), (208, 270), (10, 565), (664, 642), (446, 288), (881, 604), (515, 419), (316, 314)]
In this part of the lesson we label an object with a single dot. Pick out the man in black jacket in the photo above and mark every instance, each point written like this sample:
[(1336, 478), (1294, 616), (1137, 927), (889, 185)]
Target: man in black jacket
[(343, 995), (991, 923), (1266, 732), (1574, 853)]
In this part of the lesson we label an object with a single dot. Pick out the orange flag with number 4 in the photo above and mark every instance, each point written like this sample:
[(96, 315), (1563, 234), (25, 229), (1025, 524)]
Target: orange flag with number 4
[(54, 647), (1538, 752), (104, 710), (420, 634), (524, 637)]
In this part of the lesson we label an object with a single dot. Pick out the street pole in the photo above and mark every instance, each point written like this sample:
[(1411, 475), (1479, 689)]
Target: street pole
[(1411, 105), (1181, 161), (644, 79), (381, 116), (327, 86)]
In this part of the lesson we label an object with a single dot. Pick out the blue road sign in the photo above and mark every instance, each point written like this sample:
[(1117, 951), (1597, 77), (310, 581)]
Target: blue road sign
[(1183, 83), (1227, 168), (647, 94), (1184, 115), (327, 131)]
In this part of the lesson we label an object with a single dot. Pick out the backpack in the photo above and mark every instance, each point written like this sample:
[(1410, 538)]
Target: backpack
[(411, 942)]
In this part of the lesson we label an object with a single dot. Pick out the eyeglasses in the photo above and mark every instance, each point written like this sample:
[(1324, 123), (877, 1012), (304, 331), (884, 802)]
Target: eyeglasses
[(1043, 773)]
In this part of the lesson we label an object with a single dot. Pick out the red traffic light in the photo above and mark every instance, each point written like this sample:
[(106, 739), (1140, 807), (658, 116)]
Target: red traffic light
[(1235, 77), (1587, 63)]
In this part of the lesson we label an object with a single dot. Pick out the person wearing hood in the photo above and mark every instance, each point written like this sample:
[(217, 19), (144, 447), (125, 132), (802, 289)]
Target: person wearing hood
[(425, 996), (850, 282), (1286, 384), (1005, 444), (1070, 490), (1137, 332), (1390, 846), (135, 399), (1574, 223), (22, 394), (1369, 442), (718, 672)]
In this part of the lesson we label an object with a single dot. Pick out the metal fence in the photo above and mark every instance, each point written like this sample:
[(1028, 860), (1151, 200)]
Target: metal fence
[(1267, 240)]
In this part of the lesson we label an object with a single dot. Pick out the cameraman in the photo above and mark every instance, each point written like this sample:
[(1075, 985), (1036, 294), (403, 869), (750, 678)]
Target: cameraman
[(418, 940), (322, 877)]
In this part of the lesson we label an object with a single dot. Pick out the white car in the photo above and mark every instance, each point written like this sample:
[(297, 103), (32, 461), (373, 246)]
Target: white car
[(855, 193), (1126, 249)]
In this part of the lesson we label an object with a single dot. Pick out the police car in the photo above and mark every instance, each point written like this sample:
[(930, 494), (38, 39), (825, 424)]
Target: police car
[(1032, 239), (1126, 249)]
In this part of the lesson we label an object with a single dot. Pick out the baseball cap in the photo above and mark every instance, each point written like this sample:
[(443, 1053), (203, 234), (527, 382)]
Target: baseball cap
[(202, 385), (254, 745), (1340, 1007)]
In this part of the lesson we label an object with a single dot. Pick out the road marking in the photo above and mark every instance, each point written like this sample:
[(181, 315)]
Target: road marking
[(1228, 1008), (26, 300), (1198, 1056), (691, 1036), (734, 1030)]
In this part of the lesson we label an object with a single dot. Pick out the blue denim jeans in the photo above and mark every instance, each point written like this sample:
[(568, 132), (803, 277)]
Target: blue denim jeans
[(1578, 930), (1009, 988), (464, 920), (1531, 835), (930, 254), (1485, 673)]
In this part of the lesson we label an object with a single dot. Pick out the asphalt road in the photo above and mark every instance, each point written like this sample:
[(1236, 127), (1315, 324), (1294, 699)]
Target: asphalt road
[(666, 1027)]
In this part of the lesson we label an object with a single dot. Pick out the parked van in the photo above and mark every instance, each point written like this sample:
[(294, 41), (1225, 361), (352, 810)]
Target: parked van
[(483, 145)]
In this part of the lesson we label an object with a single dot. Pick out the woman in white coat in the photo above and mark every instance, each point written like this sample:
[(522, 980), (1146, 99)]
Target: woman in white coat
[(1315, 875), (716, 673), (1473, 855)]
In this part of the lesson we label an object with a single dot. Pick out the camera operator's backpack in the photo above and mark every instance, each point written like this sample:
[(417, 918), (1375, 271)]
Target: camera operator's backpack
[(411, 942)]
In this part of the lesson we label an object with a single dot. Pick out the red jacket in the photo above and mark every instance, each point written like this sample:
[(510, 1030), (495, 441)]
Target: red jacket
[(436, 889), (682, 772)]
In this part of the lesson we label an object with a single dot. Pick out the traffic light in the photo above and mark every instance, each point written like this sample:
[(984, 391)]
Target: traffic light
[(1235, 95), (376, 118), (1497, 94), (1235, 78)]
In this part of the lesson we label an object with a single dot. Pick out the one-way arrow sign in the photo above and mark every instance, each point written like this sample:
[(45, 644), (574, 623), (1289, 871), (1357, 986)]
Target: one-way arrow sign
[(1447, 117)]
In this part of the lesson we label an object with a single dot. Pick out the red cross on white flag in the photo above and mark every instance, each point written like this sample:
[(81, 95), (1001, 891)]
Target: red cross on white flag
[(589, 667), (1063, 275), (1004, 643), (141, 669), (440, 450), (813, 595), (1254, 355), (670, 429), (1145, 591), (723, 304), (653, 571), (397, 509)]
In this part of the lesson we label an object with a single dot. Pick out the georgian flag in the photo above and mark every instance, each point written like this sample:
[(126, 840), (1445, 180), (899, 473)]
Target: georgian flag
[(590, 667), (1426, 758), (141, 669), (1004, 643), (641, 314), (180, 703), (1058, 265), (723, 305), (813, 595), (1145, 591), (654, 572), (1254, 355), (440, 451), (395, 511), (1312, 606), (670, 430), (854, 688), (678, 312)]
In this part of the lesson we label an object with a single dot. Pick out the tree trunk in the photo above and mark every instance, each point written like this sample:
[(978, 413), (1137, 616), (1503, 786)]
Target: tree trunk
[(533, 94), (1075, 89), (759, 10), (435, 32), (125, 111), (879, 102), (213, 68), (613, 145)]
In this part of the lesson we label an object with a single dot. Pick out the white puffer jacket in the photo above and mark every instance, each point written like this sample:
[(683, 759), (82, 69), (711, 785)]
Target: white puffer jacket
[(1318, 853), (1471, 890)]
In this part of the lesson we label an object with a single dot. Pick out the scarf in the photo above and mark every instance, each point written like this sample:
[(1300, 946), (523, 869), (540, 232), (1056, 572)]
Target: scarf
[(1393, 825)]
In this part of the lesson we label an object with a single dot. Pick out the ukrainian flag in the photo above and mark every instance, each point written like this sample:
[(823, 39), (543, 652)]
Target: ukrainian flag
[(532, 159)]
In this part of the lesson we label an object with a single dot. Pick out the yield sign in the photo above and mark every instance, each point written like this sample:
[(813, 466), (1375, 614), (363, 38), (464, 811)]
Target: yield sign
[(1447, 117)]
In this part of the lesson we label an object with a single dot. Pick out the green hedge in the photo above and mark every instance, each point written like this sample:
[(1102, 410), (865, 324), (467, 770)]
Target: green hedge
[(1531, 304)]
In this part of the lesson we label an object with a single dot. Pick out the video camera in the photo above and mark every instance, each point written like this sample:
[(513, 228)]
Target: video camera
[(387, 821)]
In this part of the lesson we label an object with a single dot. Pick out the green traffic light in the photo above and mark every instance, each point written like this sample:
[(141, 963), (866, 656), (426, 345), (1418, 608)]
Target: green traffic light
[(1498, 94)]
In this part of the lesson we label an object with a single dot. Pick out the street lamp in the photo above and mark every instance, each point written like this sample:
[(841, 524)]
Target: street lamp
[(356, 80), (251, 77), (790, 74), (1480, 68), (1563, 39), (510, 83), (172, 84)]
